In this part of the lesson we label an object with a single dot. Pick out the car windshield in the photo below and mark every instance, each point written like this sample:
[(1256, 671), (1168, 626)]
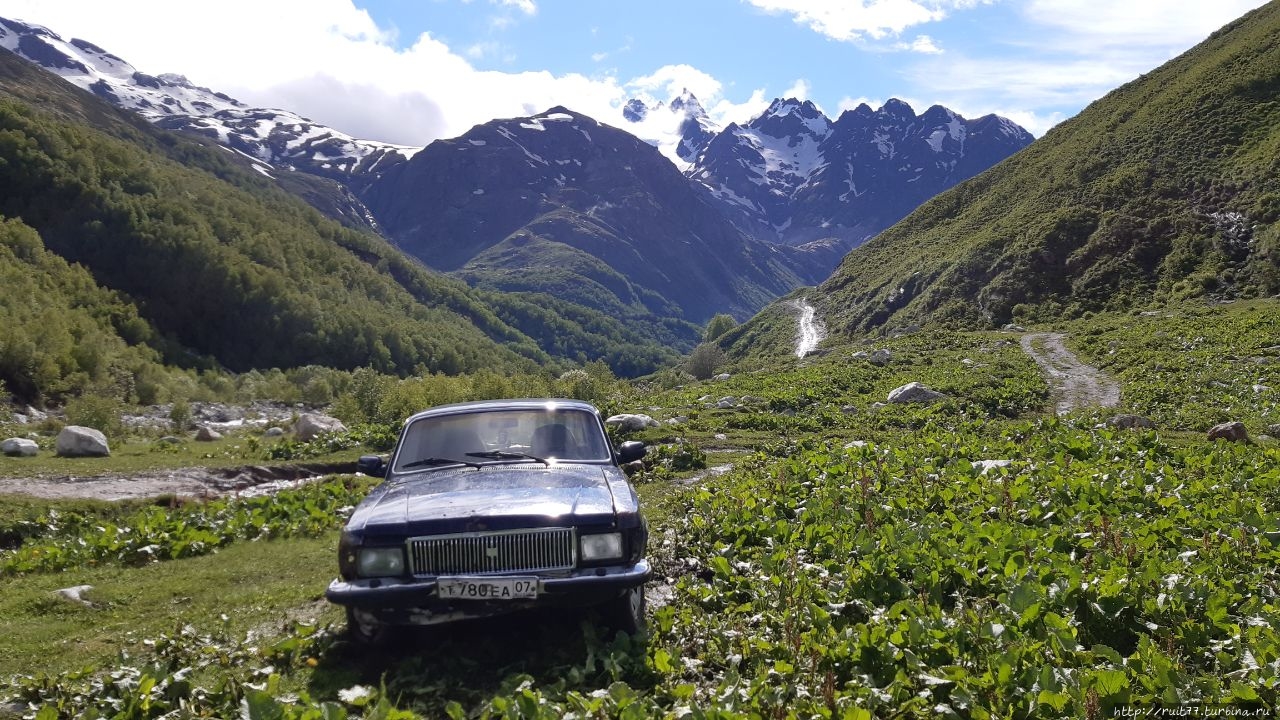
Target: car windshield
[(531, 435)]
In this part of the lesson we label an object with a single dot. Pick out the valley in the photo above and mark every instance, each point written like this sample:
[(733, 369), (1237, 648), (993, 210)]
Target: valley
[(941, 420), (844, 553)]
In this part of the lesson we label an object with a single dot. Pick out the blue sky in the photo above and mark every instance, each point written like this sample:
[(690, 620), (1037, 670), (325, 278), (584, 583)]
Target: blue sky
[(410, 71)]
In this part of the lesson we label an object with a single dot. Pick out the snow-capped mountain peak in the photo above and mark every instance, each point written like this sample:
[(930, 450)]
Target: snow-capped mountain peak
[(276, 137)]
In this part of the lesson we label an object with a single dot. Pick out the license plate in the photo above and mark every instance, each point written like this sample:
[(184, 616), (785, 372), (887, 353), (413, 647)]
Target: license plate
[(487, 588)]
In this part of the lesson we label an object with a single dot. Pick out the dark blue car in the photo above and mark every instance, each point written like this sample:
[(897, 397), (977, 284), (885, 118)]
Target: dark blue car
[(491, 507)]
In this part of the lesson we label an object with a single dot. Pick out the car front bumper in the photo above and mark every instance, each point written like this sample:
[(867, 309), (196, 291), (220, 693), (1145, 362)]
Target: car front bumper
[(578, 587)]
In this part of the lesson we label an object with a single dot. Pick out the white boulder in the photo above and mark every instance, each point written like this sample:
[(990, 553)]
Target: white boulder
[(313, 425), (631, 422), (78, 441), (914, 393), (19, 447)]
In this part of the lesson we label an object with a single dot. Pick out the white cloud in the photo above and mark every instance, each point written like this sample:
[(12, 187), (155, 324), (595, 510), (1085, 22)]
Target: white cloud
[(334, 65), (798, 90), (1149, 23), (670, 81), (850, 20), (528, 7), (922, 44)]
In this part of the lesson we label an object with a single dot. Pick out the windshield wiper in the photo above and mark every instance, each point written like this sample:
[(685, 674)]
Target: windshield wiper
[(438, 461), (507, 455)]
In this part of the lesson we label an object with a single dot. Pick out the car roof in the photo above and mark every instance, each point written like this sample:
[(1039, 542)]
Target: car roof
[(506, 404)]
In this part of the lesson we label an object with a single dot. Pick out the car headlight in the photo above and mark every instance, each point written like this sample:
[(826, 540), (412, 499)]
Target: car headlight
[(380, 562), (605, 546)]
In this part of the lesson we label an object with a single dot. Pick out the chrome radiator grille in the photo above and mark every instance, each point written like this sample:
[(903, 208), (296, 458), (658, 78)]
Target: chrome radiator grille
[(499, 552)]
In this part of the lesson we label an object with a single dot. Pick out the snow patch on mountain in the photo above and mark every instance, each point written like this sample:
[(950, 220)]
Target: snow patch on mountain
[(279, 137)]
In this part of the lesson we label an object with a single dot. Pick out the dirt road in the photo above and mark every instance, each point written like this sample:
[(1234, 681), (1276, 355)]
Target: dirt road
[(1074, 384), (188, 482)]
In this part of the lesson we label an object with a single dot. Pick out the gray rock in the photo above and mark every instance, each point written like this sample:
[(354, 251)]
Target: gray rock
[(725, 403), (1273, 430), (849, 409), (274, 432), (860, 355), (705, 398), (1232, 431), (722, 377), (677, 420), (914, 393), (170, 440), (36, 415), (1131, 422), (20, 419), (880, 357), (875, 406), (75, 594), (1260, 388), (1013, 328), (19, 447), (78, 441), (204, 434), (312, 425), (989, 465), (852, 444), (721, 436), (631, 422)]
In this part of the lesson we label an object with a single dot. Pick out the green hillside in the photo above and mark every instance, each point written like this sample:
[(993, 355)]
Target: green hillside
[(1167, 188), (208, 263)]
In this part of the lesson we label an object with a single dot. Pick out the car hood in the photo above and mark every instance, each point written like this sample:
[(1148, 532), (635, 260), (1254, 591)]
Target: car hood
[(494, 497)]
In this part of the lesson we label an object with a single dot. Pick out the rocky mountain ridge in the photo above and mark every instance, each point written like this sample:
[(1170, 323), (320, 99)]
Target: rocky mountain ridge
[(277, 139)]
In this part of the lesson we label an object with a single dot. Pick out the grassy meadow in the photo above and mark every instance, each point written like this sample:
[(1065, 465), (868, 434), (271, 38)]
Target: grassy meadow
[(818, 556)]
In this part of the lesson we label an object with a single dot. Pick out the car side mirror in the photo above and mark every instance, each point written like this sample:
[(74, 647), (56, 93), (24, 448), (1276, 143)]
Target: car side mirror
[(372, 465), (631, 451)]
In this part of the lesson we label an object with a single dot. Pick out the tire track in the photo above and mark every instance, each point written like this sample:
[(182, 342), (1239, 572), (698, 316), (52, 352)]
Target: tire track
[(1074, 384)]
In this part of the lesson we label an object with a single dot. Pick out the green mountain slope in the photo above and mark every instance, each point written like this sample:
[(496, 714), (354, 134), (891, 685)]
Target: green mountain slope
[(222, 266), (1167, 188)]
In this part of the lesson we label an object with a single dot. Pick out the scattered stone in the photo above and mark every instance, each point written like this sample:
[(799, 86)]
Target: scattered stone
[(78, 441), (1232, 431), (204, 434), (20, 419), (36, 415), (1260, 388), (726, 402), (989, 465), (849, 409), (852, 444), (967, 362), (875, 406), (19, 447), (751, 400), (75, 594), (722, 377), (1131, 422), (1273, 430), (880, 357), (633, 467), (721, 436), (914, 393), (630, 422), (678, 420), (274, 432), (860, 355), (1013, 328), (705, 399), (312, 425), (170, 440)]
